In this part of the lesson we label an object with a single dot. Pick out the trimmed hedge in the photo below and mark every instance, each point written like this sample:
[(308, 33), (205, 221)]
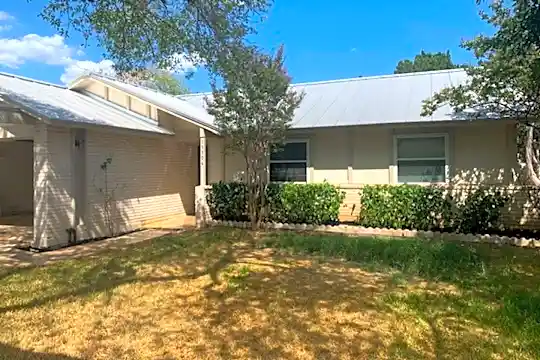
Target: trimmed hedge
[(429, 208), (288, 203)]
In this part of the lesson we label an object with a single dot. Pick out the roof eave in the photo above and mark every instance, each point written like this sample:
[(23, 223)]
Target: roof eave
[(77, 82), (52, 121)]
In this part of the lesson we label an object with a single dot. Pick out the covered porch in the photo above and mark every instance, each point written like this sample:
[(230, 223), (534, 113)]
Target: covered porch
[(16, 176)]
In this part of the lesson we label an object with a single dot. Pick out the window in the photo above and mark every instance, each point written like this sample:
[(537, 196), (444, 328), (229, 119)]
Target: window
[(421, 158), (289, 163)]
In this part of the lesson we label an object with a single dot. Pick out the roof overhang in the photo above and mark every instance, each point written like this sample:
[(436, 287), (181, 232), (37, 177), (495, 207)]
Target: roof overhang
[(79, 82), (15, 113)]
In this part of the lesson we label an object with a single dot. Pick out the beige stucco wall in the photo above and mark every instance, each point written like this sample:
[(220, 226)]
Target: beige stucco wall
[(16, 180), (479, 152), (150, 179)]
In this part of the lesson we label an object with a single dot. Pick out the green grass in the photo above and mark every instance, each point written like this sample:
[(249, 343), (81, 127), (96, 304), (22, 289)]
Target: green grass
[(280, 291), (499, 286)]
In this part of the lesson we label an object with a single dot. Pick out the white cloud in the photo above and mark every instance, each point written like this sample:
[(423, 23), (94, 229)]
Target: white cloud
[(4, 16), (182, 64), (51, 50), (80, 67)]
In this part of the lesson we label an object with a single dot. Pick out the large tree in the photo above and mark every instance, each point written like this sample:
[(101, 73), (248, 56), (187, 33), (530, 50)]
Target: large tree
[(137, 33), (253, 108), (506, 82), (426, 61)]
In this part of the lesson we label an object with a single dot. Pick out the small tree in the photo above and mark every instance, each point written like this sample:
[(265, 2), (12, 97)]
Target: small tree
[(253, 110), (506, 84)]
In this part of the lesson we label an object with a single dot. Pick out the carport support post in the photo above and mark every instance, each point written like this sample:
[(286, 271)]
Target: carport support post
[(201, 207), (202, 156)]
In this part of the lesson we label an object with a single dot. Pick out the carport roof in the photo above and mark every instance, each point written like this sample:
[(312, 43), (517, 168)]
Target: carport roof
[(52, 102)]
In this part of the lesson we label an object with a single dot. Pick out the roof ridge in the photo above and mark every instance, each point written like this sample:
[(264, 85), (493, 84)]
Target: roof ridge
[(375, 77), (364, 78), (24, 78)]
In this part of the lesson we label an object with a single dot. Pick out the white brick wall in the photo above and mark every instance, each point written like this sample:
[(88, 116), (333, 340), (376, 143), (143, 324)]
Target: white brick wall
[(151, 178), (52, 186)]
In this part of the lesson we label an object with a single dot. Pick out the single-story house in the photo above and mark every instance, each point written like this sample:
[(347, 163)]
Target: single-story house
[(102, 157)]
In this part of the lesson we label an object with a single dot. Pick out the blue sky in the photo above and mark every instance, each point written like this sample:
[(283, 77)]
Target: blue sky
[(347, 39)]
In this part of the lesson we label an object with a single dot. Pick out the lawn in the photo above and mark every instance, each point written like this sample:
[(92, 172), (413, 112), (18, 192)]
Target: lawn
[(224, 294)]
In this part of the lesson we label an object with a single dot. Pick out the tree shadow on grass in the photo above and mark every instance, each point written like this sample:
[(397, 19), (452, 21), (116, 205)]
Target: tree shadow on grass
[(285, 306), (8, 352)]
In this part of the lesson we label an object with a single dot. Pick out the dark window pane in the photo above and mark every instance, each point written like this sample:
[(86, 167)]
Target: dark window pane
[(421, 171), (288, 172), (422, 147), (291, 151)]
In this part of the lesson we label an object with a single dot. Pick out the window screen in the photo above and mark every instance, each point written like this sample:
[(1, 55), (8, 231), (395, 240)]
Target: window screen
[(421, 159), (289, 163)]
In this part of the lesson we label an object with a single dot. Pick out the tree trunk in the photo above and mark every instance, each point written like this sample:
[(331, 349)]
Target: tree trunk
[(531, 158)]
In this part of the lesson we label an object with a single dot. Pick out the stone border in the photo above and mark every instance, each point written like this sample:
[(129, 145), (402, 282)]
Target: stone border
[(359, 230)]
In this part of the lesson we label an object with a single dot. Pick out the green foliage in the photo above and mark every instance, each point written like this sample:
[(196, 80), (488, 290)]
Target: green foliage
[(481, 211), (227, 201), (135, 33), (428, 208), (236, 276), (253, 112), (308, 204), (433, 259), (506, 82), (426, 62), (287, 203), (156, 79), (404, 207)]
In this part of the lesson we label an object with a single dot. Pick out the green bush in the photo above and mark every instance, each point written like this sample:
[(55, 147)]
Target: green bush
[(429, 208), (309, 204), (290, 203), (481, 211), (227, 201), (405, 207)]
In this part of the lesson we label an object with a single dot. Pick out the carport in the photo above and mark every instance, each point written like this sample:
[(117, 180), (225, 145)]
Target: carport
[(16, 176)]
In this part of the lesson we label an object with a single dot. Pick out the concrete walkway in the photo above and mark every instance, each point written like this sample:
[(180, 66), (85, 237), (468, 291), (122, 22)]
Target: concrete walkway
[(11, 257)]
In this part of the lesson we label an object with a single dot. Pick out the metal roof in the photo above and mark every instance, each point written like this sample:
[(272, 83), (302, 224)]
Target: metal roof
[(388, 99), (57, 103), (175, 105)]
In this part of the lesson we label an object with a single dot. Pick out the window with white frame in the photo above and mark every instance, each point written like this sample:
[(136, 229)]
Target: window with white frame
[(289, 163), (421, 158)]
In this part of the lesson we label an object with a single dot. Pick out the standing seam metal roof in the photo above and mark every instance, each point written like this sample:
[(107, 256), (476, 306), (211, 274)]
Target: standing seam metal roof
[(387, 99), (56, 102)]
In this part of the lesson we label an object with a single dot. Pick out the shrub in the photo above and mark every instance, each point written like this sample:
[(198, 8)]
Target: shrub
[(291, 203), (405, 207), (309, 203), (227, 201), (481, 211), (428, 208)]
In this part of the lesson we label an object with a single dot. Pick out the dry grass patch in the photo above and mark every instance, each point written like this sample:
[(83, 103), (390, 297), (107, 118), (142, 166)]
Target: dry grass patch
[(219, 295)]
